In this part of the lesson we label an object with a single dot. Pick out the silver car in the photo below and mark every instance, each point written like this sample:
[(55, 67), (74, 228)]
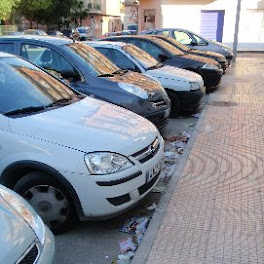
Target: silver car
[(23, 236)]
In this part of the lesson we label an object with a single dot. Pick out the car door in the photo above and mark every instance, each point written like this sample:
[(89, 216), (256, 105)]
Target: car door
[(55, 63)]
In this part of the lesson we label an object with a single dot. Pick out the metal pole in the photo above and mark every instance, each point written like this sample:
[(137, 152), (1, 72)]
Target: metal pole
[(236, 29)]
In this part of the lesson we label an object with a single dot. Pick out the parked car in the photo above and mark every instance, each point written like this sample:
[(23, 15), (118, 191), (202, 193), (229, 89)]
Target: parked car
[(71, 33), (35, 32), (112, 34), (85, 33), (68, 155), (221, 59), (193, 40), (23, 236), (55, 33), (161, 50), (184, 88), (89, 72), (133, 28)]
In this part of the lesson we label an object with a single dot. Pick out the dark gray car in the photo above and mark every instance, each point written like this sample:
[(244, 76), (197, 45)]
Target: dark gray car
[(192, 40)]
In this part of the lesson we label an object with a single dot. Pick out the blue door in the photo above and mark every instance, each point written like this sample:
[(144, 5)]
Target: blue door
[(212, 24)]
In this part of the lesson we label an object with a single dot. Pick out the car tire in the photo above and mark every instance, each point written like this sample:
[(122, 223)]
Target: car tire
[(49, 198), (175, 103)]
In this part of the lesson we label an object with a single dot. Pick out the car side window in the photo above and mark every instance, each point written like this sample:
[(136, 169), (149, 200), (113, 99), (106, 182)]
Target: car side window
[(150, 48), (165, 33), (7, 47), (182, 37), (199, 40), (47, 58), (123, 62), (108, 53)]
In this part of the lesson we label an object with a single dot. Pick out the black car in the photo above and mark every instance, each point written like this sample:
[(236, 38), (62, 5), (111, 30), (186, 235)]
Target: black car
[(209, 69), (208, 54), (91, 73)]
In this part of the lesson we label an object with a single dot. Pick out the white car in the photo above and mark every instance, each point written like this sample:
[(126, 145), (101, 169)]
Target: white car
[(23, 236), (68, 155), (85, 33), (185, 88)]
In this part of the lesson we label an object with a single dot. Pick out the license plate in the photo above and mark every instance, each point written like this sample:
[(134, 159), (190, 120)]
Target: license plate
[(152, 173)]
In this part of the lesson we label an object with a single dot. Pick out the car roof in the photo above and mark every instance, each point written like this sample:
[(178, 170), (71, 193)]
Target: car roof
[(107, 43), (156, 29), (49, 39)]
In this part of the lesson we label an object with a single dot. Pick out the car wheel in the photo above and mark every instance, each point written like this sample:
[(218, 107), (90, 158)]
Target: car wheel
[(48, 197), (175, 103)]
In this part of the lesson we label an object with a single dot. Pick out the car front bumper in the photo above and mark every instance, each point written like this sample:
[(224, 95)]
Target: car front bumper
[(211, 77), (105, 196), (161, 117), (191, 100)]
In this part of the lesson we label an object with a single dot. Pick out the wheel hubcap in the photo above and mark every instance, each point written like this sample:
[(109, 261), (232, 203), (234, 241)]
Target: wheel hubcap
[(50, 203)]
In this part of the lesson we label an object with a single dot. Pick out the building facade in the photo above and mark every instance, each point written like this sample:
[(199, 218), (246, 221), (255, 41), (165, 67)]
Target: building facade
[(214, 19), (104, 16)]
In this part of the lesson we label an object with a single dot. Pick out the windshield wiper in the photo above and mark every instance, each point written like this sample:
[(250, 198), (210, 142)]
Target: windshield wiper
[(106, 75), (25, 110), (120, 71)]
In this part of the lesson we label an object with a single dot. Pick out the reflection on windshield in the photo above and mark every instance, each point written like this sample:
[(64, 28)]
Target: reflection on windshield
[(146, 60), (98, 64), (168, 46), (24, 85)]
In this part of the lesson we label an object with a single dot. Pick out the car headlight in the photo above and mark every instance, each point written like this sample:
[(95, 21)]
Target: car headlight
[(210, 67), (228, 51), (106, 162), (133, 89), (25, 211), (194, 86)]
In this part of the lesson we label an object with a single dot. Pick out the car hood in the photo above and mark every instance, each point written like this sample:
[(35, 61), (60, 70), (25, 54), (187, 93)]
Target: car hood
[(174, 73), (208, 53), (89, 125), (16, 236), (137, 79), (200, 59)]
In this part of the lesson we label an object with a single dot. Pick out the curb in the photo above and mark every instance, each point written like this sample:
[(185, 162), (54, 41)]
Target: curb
[(145, 246)]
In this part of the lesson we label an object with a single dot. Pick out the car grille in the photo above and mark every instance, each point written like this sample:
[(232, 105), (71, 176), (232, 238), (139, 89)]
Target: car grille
[(147, 153), (159, 104), (30, 255)]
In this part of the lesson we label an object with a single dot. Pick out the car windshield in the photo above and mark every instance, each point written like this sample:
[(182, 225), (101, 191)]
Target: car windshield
[(146, 60), (24, 86), (82, 30), (97, 63), (168, 46)]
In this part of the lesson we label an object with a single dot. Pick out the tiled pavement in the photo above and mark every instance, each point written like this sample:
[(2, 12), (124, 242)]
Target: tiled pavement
[(216, 212)]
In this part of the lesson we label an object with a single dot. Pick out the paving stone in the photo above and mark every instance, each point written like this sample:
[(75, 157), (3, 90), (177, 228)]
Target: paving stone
[(216, 212)]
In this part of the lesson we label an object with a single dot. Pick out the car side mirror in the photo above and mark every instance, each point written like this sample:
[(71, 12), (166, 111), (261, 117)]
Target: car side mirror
[(193, 43), (70, 75), (162, 57)]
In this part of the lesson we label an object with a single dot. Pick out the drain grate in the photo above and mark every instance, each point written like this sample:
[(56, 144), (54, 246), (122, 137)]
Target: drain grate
[(223, 103)]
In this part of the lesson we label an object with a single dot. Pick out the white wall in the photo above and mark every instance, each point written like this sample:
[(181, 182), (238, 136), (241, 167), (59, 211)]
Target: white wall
[(251, 34)]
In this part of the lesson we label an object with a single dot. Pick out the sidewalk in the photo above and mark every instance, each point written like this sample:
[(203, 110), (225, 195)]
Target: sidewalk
[(215, 214)]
